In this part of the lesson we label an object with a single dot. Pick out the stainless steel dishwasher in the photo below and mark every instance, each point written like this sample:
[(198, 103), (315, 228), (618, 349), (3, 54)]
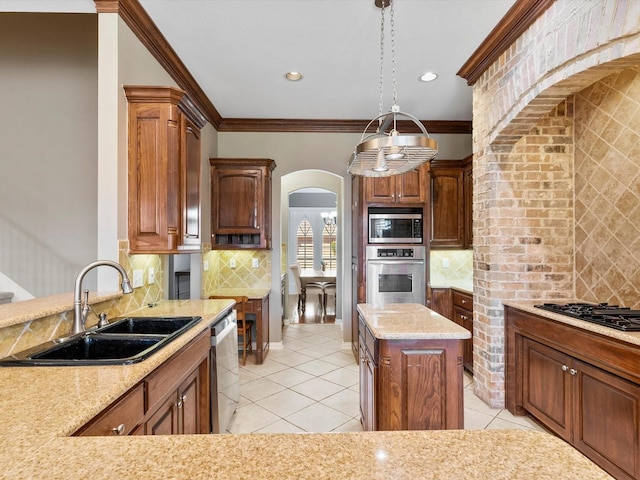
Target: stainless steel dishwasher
[(225, 381)]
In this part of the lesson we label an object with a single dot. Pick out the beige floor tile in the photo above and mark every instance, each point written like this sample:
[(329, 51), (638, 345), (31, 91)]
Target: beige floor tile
[(525, 421), (251, 418), (317, 388), (281, 426), (318, 418), (352, 425), (475, 420), (340, 358), (259, 389), (290, 377), (345, 401), (317, 367), (472, 402), (342, 376), (267, 368), (291, 359), (285, 403)]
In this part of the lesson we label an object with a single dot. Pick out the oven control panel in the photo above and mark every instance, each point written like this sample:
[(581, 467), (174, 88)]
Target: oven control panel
[(395, 252)]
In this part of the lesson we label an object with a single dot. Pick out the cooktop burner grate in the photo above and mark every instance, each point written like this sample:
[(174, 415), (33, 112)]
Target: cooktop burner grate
[(611, 316)]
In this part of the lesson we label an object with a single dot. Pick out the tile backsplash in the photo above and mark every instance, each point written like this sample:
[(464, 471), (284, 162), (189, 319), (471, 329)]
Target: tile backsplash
[(451, 267), (237, 269)]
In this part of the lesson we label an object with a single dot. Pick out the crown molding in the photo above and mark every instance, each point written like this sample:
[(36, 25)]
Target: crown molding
[(141, 24), (513, 24)]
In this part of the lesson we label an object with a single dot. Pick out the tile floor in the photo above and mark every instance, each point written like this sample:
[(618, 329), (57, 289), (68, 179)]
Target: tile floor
[(311, 385)]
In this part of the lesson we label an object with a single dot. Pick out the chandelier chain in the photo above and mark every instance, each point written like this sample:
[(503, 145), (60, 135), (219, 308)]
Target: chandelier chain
[(380, 102), (393, 53)]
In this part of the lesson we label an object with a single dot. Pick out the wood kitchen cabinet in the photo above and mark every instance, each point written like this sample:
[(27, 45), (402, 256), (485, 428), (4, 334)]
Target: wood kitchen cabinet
[(163, 170), (410, 384), (407, 188), (451, 204), (439, 300), (583, 386), (241, 203), (260, 308), (462, 304), (173, 399)]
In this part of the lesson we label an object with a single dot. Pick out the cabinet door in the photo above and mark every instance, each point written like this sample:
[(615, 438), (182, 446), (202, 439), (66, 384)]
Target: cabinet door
[(190, 187), (238, 194), (464, 318), (411, 186), (165, 419), (446, 208), (607, 419), (154, 149), (440, 301), (380, 189), (546, 386), (189, 405)]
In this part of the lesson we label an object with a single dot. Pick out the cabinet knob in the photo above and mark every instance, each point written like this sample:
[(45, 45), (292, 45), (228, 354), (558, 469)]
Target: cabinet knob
[(119, 430), (573, 371), (564, 368)]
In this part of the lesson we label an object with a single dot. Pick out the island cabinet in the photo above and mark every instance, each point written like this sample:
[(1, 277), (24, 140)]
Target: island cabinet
[(407, 188), (173, 399), (163, 170), (581, 385), (241, 203), (410, 383)]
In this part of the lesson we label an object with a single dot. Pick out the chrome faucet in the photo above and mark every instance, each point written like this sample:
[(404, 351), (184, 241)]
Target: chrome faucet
[(80, 311)]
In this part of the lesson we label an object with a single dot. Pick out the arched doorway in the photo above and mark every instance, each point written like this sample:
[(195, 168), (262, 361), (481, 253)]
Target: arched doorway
[(315, 183)]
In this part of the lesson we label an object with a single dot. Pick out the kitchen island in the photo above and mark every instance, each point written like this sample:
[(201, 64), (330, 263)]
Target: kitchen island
[(411, 374), (43, 406)]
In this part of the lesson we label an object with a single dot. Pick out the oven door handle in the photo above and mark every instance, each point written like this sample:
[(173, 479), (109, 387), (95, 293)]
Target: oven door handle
[(395, 262)]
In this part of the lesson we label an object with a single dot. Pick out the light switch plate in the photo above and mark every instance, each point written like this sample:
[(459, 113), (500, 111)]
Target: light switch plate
[(232, 263), (254, 262), (205, 265), (152, 275), (137, 278), (445, 263)]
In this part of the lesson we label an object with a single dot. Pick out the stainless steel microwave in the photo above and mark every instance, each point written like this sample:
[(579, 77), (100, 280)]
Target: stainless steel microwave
[(395, 225)]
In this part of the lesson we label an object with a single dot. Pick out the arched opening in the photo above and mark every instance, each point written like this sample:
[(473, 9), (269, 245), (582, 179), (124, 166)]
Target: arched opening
[(312, 237)]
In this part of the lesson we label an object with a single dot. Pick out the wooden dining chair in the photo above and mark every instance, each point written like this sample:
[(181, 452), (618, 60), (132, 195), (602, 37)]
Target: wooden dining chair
[(310, 287), (329, 289), (244, 324)]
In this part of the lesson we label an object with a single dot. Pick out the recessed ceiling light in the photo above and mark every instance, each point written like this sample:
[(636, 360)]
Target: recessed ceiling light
[(428, 77), (293, 76)]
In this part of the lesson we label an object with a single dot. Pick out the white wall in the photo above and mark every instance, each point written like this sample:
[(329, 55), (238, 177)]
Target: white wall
[(48, 147)]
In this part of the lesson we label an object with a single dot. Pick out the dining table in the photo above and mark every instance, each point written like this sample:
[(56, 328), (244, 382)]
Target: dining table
[(316, 275)]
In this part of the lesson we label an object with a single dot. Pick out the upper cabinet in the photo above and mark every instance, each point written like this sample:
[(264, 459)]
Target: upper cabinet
[(164, 170), (407, 188), (241, 203), (451, 204)]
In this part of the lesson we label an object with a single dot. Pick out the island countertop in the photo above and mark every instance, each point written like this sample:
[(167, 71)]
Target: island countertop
[(399, 321)]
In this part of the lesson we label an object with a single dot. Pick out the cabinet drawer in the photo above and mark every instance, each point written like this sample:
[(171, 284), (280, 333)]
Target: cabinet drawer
[(170, 374), (462, 300), (124, 415)]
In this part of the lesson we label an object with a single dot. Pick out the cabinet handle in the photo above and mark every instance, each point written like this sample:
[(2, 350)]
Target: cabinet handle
[(119, 430), (564, 368), (573, 371), (463, 301), (179, 404), (463, 317)]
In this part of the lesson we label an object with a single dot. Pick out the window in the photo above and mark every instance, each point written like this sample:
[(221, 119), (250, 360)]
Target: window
[(304, 253), (329, 246)]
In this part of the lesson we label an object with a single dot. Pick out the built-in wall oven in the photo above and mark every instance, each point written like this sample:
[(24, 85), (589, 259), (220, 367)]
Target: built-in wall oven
[(225, 372), (395, 274)]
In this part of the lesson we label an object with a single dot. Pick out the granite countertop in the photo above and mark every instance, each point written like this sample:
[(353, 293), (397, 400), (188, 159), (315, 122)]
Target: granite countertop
[(27, 310), (529, 306), (252, 293), (42, 406), (397, 321)]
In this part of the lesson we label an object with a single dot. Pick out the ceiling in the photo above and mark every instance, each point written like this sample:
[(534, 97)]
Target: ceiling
[(239, 51)]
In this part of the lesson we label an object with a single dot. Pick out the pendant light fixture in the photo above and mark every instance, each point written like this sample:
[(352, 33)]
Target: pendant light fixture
[(387, 151)]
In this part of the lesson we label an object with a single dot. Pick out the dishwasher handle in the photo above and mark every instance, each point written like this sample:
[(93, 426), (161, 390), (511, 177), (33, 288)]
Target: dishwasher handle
[(229, 325)]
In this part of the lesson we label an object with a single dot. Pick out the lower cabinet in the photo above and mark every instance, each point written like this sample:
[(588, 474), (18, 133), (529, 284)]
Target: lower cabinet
[(173, 399), (589, 406), (463, 316), (260, 308), (410, 384)]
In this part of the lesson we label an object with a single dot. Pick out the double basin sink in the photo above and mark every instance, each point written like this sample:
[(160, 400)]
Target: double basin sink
[(125, 341)]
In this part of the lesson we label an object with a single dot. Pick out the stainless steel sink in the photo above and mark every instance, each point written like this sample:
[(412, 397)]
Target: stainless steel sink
[(126, 341)]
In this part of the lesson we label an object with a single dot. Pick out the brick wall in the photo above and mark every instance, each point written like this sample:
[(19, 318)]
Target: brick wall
[(524, 202)]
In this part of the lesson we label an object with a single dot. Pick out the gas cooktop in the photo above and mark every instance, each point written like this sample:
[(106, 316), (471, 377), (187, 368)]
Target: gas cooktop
[(612, 316)]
